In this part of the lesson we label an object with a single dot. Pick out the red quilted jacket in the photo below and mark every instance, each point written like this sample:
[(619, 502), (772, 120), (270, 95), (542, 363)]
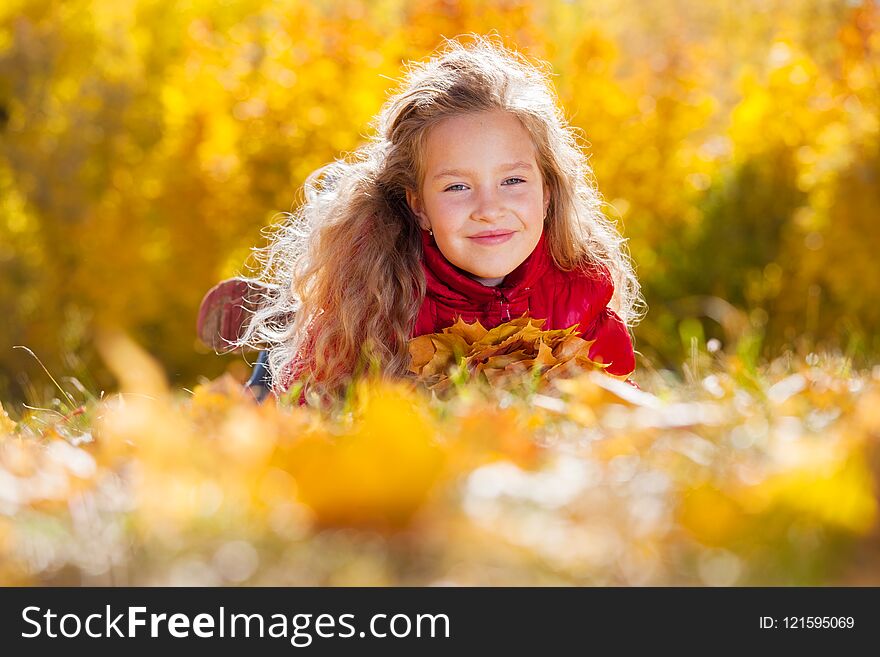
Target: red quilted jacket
[(538, 287)]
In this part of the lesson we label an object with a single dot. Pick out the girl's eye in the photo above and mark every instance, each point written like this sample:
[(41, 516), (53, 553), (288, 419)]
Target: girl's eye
[(452, 188)]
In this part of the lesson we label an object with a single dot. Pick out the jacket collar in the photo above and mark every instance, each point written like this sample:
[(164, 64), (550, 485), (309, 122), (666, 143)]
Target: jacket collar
[(448, 282)]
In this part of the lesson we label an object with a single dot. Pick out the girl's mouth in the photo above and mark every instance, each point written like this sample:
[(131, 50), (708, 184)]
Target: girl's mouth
[(492, 237)]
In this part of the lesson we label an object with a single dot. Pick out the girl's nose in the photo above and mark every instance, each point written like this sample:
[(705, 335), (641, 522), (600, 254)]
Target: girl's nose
[(488, 206)]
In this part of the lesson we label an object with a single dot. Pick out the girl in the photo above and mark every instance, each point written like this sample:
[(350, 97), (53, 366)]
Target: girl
[(473, 199)]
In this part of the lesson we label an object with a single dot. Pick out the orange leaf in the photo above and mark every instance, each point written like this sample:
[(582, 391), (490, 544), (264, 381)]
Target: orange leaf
[(421, 349), (470, 332), (449, 347)]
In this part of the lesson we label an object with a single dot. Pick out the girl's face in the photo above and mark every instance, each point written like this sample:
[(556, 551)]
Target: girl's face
[(483, 195)]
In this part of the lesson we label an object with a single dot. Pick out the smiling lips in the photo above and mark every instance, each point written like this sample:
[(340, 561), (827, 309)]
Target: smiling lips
[(492, 237)]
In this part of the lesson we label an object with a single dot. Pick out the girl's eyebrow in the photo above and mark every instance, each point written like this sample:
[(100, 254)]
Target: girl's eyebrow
[(467, 172)]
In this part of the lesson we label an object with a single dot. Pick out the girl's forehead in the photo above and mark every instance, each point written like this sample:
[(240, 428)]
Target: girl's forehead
[(481, 135), (493, 120)]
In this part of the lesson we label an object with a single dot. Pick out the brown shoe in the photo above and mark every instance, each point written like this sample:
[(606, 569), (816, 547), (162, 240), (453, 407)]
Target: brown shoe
[(224, 311)]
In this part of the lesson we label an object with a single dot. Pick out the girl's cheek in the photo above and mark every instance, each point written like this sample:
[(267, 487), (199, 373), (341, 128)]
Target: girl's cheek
[(450, 205)]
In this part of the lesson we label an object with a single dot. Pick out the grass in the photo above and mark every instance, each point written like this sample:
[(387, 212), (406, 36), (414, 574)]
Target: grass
[(733, 473)]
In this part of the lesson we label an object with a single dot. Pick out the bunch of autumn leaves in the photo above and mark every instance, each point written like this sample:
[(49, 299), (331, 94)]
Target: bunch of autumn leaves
[(501, 355)]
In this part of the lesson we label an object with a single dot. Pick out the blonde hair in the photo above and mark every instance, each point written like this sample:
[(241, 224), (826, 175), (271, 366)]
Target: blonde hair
[(344, 272)]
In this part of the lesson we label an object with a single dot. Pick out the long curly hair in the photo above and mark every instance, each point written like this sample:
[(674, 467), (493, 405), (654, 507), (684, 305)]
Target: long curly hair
[(343, 272)]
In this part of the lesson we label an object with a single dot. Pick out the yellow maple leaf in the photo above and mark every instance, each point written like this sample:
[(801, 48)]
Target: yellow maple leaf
[(505, 353), (470, 332), (421, 350), (448, 348)]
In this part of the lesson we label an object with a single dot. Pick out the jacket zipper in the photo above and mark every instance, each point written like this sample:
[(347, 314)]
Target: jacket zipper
[(504, 306)]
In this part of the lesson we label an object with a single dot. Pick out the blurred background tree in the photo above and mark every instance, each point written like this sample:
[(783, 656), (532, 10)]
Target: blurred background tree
[(144, 145)]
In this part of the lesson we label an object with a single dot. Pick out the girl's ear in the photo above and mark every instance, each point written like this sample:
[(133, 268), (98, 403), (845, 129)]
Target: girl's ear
[(546, 199), (415, 204)]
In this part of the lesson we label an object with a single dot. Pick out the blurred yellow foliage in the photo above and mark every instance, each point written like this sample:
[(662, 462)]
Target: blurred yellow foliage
[(834, 494), (7, 426), (593, 479), (711, 516), (738, 157), (376, 472)]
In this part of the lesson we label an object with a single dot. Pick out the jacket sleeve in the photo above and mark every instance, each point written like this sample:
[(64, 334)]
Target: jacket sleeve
[(612, 343)]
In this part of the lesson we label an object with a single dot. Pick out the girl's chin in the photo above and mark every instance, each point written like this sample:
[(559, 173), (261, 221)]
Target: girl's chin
[(488, 275), (496, 269)]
